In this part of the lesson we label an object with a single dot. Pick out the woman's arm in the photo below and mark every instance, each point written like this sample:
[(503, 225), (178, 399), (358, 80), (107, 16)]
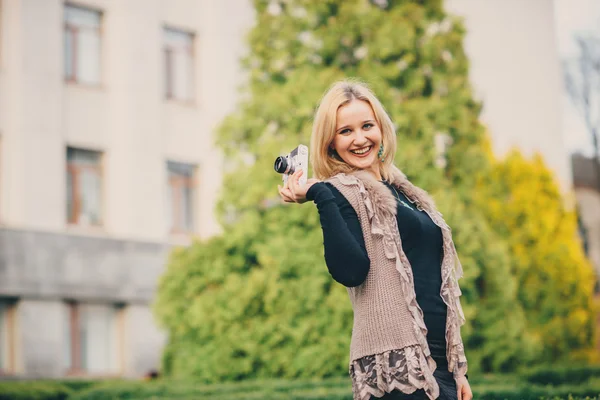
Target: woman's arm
[(345, 252)]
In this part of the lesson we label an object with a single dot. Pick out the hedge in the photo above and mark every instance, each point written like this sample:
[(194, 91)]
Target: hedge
[(535, 392), (276, 389), (331, 389), (484, 387), (22, 390), (562, 374)]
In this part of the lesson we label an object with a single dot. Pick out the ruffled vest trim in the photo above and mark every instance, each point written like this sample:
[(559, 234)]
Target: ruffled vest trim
[(409, 368)]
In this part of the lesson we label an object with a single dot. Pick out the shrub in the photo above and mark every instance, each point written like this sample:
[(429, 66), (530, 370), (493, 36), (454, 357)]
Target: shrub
[(562, 374), (485, 388), (33, 391), (535, 392), (332, 389), (524, 205)]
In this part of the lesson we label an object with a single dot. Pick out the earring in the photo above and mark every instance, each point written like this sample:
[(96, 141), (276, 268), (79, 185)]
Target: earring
[(380, 153)]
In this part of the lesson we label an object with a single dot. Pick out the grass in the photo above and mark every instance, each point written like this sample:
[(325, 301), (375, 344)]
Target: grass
[(489, 387)]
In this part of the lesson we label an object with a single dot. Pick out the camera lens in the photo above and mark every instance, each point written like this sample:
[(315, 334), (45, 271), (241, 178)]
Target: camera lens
[(281, 165)]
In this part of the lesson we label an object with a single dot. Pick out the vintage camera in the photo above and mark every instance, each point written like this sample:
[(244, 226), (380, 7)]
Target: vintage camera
[(295, 161)]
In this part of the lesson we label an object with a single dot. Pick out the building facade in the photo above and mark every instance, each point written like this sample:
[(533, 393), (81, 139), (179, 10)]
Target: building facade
[(108, 112), (587, 191), (516, 72)]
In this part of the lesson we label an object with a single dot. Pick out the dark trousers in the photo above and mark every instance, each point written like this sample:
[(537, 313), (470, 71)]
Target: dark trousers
[(396, 395), (445, 381)]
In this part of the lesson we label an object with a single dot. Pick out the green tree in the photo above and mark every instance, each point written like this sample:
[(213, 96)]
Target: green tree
[(258, 301)]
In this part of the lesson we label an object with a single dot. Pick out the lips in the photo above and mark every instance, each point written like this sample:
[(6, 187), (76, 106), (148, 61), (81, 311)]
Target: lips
[(363, 151)]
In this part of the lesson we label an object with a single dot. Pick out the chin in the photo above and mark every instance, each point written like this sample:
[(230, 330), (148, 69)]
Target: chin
[(365, 165)]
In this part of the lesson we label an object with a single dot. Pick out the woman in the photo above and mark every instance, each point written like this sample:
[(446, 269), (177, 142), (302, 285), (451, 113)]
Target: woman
[(385, 241)]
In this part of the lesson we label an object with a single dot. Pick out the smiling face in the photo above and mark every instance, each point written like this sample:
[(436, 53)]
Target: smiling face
[(358, 136)]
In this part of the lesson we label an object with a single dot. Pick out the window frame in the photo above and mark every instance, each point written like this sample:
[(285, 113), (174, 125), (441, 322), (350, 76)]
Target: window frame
[(75, 172), (176, 185), (8, 337), (75, 368), (168, 76), (74, 31)]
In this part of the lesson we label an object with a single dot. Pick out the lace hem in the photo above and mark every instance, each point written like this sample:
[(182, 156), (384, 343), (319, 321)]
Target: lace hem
[(405, 370)]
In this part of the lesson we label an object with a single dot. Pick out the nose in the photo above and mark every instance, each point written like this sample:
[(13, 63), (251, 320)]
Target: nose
[(360, 138)]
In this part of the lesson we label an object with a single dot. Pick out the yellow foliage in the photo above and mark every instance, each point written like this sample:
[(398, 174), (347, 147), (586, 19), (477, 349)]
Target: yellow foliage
[(523, 203)]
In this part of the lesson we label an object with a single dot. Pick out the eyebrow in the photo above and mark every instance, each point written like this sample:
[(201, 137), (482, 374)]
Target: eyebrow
[(346, 126)]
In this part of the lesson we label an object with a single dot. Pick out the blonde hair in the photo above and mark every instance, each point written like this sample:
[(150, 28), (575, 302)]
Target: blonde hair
[(325, 162)]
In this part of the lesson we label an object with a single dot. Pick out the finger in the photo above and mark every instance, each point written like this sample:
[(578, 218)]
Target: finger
[(280, 190), (288, 181), (300, 173), (292, 183), (286, 198), (284, 193), (288, 194)]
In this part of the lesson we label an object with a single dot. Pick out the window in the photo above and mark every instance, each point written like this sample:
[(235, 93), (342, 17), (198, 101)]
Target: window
[(94, 335), (7, 337), (84, 187), (179, 64), (181, 196), (82, 45)]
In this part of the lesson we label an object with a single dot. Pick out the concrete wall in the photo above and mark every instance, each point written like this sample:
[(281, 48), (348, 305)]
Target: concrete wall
[(589, 208), (143, 343), (515, 71), (43, 269), (53, 265)]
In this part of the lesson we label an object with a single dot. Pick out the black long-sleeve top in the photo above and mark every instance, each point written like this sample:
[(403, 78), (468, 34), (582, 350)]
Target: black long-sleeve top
[(348, 262)]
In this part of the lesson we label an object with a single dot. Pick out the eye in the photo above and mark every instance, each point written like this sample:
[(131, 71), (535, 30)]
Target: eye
[(368, 126), (344, 131)]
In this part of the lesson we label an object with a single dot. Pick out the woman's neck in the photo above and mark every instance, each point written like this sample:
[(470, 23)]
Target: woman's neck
[(375, 172)]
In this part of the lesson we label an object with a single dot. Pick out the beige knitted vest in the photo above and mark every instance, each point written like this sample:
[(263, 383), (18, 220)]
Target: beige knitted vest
[(389, 347)]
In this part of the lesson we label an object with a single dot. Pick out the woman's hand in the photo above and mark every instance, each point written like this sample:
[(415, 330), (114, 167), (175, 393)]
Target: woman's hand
[(464, 389), (292, 191)]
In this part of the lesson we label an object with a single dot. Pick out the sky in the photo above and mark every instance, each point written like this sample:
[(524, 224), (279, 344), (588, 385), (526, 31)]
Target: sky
[(574, 17)]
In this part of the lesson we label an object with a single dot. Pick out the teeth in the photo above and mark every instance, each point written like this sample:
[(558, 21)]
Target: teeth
[(362, 151)]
